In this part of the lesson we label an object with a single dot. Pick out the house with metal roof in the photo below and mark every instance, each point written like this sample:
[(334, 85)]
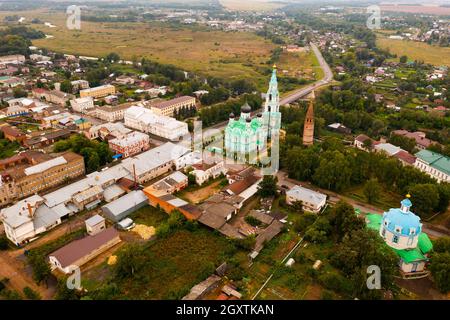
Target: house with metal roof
[(434, 164), (79, 252), (311, 200)]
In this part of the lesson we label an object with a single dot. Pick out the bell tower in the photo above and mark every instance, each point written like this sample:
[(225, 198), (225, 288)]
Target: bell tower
[(308, 129), (272, 115)]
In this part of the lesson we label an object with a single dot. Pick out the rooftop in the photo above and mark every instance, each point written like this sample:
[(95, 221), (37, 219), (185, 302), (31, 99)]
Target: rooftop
[(435, 160), (78, 249)]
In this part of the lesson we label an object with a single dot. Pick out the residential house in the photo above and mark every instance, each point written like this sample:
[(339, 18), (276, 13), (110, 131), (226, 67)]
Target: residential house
[(204, 171), (311, 200)]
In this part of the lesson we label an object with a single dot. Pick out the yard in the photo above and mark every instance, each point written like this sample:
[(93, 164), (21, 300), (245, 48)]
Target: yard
[(172, 265), (197, 194)]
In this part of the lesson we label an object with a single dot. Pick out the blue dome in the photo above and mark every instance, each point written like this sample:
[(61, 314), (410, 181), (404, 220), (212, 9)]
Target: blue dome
[(406, 202), (405, 219)]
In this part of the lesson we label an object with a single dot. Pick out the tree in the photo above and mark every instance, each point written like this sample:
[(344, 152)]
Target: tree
[(344, 220), (304, 221), (333, 172), (403, 142), (66, 86), (440, 264), (372, 190), (359, 250), (403, 59), (112, 57), (130, 260), (31, 294), (268, 186), (3, 243), (297, 206), (425, 198)]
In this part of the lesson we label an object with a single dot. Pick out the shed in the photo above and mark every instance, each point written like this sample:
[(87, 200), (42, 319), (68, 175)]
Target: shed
[(122, 207), (95, 224)]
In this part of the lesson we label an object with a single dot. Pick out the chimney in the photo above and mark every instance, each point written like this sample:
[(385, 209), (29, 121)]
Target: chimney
[(134, 175), (30, 210)]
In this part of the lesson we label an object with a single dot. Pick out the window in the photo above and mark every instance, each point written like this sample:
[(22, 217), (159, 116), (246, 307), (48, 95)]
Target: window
[(395, 239)]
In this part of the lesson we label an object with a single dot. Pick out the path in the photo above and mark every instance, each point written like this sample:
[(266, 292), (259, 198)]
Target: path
[(328, 77)]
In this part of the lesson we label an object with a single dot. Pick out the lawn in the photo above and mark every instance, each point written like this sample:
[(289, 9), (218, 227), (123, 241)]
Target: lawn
[(173, 265), (416, 50), (386, 200), (149, 216)]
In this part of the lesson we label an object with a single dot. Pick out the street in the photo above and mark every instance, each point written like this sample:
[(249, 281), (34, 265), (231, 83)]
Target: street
[(328, 77), (283, 179)]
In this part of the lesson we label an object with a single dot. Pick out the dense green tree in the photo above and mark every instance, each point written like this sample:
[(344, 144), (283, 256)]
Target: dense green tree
[(425, 199), (268, 186), (372, 190)]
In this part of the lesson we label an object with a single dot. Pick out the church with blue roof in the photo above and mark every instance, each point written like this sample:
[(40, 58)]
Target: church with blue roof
[(401, 230)]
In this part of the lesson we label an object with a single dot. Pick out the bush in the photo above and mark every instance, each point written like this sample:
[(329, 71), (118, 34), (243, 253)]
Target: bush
[(337, 283), (4, 243), (31, 294), (252, 221)]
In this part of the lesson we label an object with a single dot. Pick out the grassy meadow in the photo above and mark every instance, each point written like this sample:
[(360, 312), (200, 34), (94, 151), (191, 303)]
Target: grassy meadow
[(416, 50), (228, 55)]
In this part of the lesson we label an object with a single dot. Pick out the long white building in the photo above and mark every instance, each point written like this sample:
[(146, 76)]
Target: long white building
[(147, 121)]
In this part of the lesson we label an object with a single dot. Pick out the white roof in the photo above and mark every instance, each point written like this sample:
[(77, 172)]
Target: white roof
[(94, 220), (41, 167), (390, 149), (306, 195), (154, 158), (18, 214), (148, 117), (130, 139)]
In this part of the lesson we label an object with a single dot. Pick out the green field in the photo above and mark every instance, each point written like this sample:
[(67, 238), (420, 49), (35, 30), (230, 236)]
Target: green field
[(416, 50), (228, 55)]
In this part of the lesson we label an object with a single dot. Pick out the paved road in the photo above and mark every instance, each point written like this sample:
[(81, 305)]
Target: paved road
[(328, 77), (431, 230), (300, 93)]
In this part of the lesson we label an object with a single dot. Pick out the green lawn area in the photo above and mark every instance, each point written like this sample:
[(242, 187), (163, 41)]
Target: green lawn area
[(8, 148), (173, 265), (386, 201), (149, 216)]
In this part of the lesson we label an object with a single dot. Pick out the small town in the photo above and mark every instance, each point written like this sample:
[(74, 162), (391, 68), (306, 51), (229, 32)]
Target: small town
[(219, 150)]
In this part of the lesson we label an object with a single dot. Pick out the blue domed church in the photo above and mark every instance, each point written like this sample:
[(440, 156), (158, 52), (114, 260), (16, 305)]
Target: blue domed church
[(401, 230)]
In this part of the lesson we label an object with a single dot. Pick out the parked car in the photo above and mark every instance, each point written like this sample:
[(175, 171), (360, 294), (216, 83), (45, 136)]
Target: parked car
[(126, 224)]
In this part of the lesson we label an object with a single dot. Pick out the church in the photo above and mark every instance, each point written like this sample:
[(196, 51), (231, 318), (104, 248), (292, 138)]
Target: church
[(247, 135), (402, 231)]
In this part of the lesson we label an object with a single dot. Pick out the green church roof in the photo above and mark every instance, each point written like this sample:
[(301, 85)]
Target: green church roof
[(424, 243), (374, 221), (410, 255)]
